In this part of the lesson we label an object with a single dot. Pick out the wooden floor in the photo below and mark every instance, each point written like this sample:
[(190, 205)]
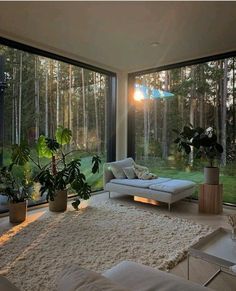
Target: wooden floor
[(200, 271)]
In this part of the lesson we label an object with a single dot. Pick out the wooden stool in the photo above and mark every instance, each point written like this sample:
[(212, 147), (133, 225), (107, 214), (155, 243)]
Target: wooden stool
[(210, 198)]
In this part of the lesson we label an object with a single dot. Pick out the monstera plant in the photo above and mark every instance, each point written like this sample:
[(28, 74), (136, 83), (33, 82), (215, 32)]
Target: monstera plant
[(60, 173), (204, 143)]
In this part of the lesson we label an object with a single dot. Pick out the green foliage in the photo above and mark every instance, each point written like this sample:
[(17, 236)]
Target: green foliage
[(96, 161), (16, 190), (20, 154), (60, 174), (42, 148), (47, 181), (63, 135), (203, 140)]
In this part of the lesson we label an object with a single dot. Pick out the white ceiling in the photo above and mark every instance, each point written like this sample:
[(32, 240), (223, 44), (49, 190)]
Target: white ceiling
[(117, 35)]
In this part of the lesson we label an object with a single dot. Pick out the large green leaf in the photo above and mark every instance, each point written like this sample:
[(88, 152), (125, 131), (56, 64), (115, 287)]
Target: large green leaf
[(63, 135), (20, 154), (42, 148), (96, 161)]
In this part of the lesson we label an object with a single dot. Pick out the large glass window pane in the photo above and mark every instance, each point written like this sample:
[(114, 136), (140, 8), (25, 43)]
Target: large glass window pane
[(43, 93), (203, 95)]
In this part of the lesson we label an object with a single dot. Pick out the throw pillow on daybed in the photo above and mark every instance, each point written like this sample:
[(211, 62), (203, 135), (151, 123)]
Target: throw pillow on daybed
[(130, 173), (143, 172), (118, 172)]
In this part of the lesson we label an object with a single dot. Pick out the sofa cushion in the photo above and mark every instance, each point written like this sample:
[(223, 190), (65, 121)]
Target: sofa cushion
[(143, 278), (139, 183), (130, 173), (173, 186), (118, 172), (117, 167), (76, 278)]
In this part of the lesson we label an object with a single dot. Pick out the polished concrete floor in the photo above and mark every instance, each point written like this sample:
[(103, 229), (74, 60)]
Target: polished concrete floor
[(200, 271)]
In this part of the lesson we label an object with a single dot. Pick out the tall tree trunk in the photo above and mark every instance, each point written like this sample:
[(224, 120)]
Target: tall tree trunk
[(105, 138), (223, 118), (192, 107), (85, 137), (20, 97), (58, 96), (77, 121), (181, 99), (14, 105), (36, 91), (164, 125), (202, 100), (216, 106), (51, 104), (46, 100), (98, 141), (71, 91), (155, 120), (234, 104), (2, 107), (145, 124), (16, 102)]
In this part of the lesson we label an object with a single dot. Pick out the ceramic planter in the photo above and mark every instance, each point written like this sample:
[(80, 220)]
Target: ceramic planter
[(17, 211), (60, 202), (211, 175)]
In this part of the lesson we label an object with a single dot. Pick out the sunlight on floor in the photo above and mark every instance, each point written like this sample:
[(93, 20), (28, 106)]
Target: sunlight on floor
[(146, 200), (17, 228)]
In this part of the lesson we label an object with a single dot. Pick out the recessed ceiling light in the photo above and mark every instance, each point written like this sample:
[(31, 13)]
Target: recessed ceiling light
[(155, 43)]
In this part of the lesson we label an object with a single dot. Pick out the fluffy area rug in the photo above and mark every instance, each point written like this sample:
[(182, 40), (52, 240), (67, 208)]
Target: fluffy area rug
[(97, 238)]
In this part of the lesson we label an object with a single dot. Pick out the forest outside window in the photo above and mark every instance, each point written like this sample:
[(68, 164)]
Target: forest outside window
[(41, 94), (204, 95)]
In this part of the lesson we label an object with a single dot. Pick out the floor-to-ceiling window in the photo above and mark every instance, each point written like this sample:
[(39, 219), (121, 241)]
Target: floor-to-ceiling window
[(41, 93), (202, 95)]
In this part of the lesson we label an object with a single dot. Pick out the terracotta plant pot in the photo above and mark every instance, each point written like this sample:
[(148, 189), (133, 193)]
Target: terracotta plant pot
[(17, 211), (211, 175), (60, 202)]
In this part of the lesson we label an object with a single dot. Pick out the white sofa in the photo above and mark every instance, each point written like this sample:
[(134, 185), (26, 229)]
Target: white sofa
[(126, 276), (161, 189)]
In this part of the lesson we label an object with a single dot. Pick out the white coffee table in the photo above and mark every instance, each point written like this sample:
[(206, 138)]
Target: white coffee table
[(217, 248)]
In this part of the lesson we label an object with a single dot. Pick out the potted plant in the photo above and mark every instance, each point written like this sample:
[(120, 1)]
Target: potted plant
[(204, 141), (61, 173), (18, 190)]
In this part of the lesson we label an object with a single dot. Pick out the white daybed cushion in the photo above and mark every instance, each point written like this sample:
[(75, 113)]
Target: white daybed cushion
[(173, 186), (139, 183)]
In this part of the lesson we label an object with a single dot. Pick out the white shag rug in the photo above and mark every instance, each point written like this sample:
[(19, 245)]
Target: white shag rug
[(97, 238)]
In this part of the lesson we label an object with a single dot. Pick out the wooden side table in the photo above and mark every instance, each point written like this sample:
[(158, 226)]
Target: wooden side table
[(211, 198)]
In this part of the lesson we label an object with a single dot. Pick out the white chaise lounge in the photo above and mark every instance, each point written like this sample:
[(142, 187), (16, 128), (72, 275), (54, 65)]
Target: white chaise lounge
[(161, 189)]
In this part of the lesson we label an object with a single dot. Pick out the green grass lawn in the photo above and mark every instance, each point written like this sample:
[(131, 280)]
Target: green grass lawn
[(227, 176)]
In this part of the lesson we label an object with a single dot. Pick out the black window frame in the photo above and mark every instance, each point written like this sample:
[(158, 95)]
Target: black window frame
[(131, 82), (131, 107), (112, 85), (111, 92)]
